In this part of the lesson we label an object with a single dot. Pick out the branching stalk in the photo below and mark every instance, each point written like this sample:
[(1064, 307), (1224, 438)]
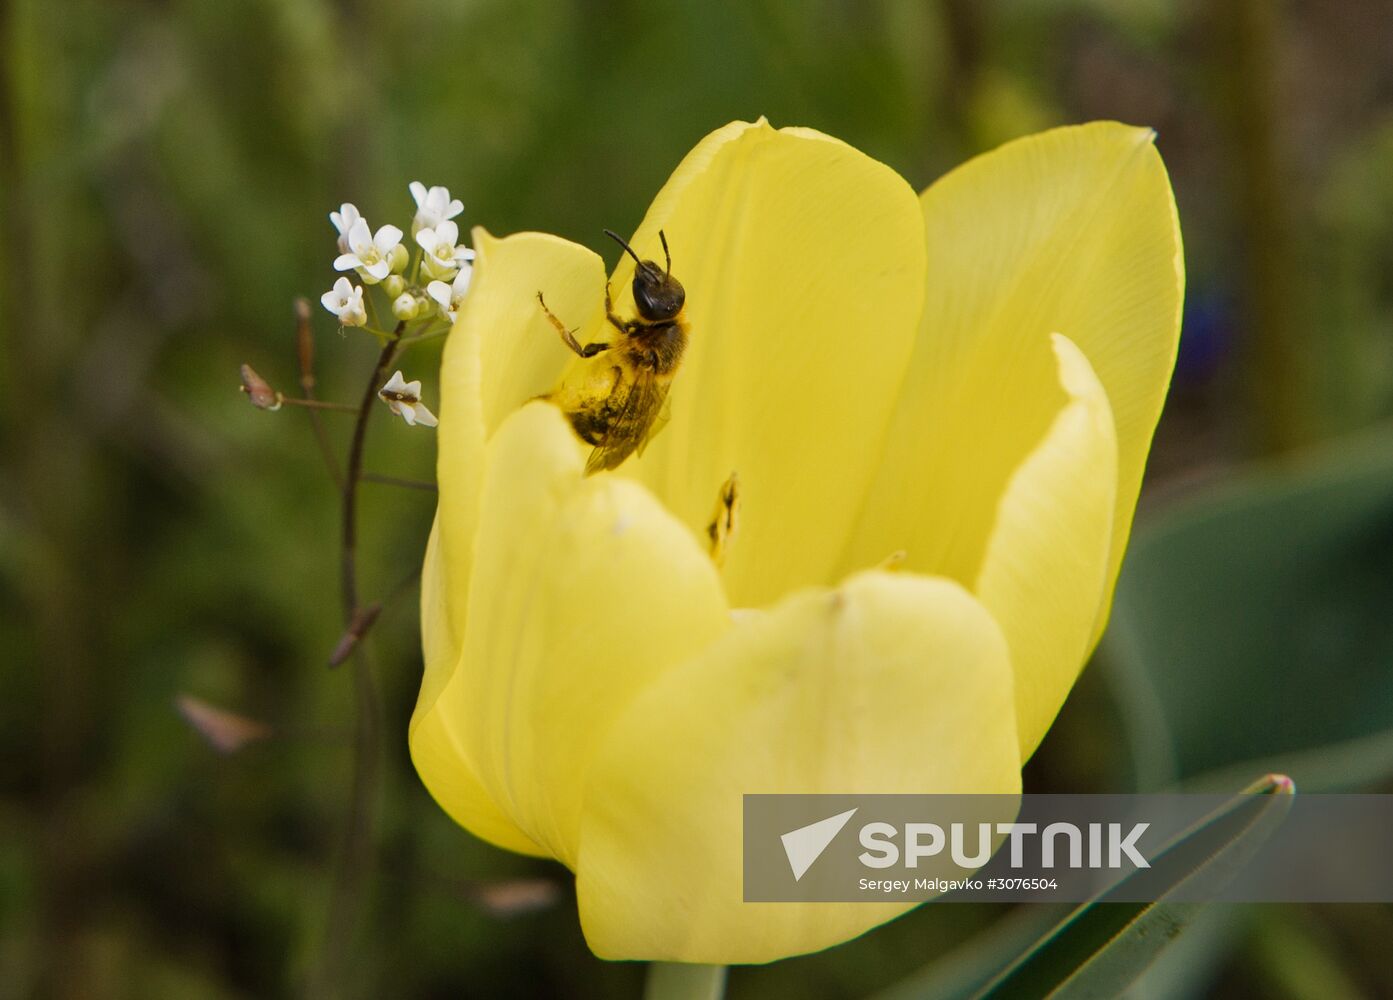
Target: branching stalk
[(304, 349), (355, 860)]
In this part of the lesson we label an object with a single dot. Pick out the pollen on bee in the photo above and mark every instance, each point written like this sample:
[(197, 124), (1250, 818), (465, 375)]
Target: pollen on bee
[(725, 520)]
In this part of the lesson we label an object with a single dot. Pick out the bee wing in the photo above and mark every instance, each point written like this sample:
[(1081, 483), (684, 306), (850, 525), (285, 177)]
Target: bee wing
[(659, 422), (632, 426)]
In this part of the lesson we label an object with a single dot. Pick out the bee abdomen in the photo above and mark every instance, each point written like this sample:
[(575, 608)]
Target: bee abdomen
[(590, 426)]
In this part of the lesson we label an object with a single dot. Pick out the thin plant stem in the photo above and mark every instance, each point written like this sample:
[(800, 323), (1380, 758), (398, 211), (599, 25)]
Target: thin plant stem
[(367, 616), (376, 327), (304, 349), (349, 538), (417, 338), (407, 484), (402, 588), (681, 981), (318, 404), (351, 876)]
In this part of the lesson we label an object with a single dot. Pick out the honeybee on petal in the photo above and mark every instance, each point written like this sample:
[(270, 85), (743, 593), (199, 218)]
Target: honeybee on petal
[(619, 407)]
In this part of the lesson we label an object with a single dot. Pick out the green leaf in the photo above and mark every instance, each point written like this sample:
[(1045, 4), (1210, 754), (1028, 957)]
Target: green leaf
[(1106, 944), (962, 972), (1251, 631)]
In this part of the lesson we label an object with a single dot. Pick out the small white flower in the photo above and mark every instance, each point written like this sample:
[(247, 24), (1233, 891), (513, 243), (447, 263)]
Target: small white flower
[(433, 206), (344, 220), (345, 300), (370, 254), (404, 399), (406, 307), (443, 257), (451, 297)]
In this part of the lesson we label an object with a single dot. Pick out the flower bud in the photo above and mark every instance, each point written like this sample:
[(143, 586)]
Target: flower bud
[(259, 391), (399, 258), (405, 307), (394, 285)]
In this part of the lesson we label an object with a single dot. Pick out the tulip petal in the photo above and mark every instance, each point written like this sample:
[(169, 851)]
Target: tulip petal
[(500, 353), (437, 752), (1098, 256), (803, 262), (891, 683), (1046, 563), (583, 591), (1072, 230)]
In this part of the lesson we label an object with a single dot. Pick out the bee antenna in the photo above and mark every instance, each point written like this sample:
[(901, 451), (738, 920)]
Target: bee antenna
[(666, 253), (627, 249)]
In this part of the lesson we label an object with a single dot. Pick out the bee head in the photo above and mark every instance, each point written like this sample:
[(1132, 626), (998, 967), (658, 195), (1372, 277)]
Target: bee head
[(657, 294)]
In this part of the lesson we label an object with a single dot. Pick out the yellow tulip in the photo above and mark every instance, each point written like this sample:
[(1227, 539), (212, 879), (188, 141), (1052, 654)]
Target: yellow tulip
[(969, 377)]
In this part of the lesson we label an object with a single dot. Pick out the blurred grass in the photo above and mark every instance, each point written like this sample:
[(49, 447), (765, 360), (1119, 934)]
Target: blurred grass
[(165, 172)]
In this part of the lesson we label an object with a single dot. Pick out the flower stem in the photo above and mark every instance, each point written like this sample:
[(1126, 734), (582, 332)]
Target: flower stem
[(408, 484), (374, 327), (318, 404), (680, 981), (416, 338), (356, 860), (304, 351), (349, 548)]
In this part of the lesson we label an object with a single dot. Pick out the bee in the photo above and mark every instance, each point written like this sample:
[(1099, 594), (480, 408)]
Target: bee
[(621, 407)]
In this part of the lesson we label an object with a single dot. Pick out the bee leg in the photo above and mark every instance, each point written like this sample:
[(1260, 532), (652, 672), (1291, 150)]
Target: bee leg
[(568, 336), (628, 327), (725, 520), (615, 321)]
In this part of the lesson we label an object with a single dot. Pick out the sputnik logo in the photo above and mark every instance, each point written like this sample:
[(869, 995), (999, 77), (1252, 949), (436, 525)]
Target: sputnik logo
[(806, 844)]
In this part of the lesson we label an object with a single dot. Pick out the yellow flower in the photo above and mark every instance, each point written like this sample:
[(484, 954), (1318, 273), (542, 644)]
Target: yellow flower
[(970, 377)]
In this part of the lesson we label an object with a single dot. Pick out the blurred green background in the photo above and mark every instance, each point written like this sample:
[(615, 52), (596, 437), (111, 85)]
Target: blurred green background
[(165, 173)]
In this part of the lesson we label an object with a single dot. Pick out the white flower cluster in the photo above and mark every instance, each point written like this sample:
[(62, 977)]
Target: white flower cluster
[(438, 278), (426, 285)]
